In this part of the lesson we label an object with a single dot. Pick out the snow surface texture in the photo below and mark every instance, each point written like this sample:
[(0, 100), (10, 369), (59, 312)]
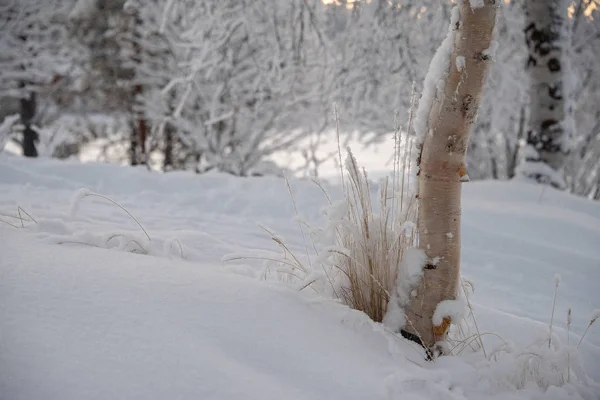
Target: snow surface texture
[(90, 308)]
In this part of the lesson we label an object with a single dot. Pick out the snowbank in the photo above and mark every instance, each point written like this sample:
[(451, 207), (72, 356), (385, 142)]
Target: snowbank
[(84, 317)]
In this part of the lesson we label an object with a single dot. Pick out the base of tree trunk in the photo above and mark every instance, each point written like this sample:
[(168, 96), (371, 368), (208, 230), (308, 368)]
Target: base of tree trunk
[(417, 339), (30, 137), (411, 336)]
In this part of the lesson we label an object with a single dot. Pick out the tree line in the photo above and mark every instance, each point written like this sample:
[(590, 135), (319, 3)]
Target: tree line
[(223, 84)]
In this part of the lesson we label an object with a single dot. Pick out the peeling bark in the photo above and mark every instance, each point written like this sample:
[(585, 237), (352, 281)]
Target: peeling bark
[(442, 167)]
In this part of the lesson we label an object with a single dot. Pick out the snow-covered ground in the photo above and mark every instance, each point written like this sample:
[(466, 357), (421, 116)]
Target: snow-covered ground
[(84, 315)]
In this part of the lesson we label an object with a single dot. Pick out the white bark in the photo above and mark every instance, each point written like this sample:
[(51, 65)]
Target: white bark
[(549, 133), (450, 107)]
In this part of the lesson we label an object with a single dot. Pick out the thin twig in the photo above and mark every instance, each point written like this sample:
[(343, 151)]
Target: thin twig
[(585, 332), (138, 243), (8, 223), (287, 182), (122, 208), (26, 213), (552, 316), (568, 344), (337, 131), (462, 284), (76, 242), (284, 246), (320, 186), (180, 247), (284, 262), (20, 217)]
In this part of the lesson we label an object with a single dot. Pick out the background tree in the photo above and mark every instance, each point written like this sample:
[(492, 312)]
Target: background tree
[(224, 85), (34, 55), (583, 167), (550, 123), (249, 74), (154, 67), (495, 142), (381, 48), (107, 33)]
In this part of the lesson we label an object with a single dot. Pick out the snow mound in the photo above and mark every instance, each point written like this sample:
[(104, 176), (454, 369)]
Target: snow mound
[(86, 314)]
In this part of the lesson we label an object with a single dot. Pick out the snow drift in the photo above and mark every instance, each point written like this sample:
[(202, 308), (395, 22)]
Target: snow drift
[(84, 315)]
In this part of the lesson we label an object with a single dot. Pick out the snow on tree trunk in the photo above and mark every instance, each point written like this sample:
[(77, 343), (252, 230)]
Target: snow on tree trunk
[(446, 113), (549, 133)]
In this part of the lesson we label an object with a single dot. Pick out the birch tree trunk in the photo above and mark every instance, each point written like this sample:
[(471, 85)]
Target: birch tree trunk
[(446, 114), (549, 132)]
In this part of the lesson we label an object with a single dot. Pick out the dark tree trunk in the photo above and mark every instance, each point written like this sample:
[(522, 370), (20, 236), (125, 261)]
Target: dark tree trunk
[(142, 131), (133, 145), (139, 133), (30, 136), (168, 150), (493, 160)]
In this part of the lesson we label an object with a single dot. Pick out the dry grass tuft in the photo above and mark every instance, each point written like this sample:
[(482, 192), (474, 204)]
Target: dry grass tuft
[(19, 216), (375, 242), (361, 261)]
